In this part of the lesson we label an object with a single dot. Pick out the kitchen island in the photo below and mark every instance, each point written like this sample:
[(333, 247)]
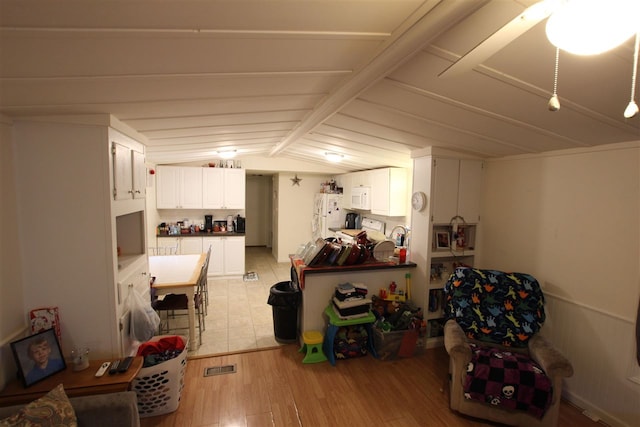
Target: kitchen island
[(318, 285)]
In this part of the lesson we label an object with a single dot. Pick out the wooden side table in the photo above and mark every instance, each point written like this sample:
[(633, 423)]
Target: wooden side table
[(80, 383)]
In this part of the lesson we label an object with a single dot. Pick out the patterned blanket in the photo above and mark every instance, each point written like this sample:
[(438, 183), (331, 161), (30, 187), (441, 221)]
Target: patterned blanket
[(510, 380)]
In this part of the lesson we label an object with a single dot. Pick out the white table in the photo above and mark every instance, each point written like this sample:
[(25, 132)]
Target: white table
[(178, 274)]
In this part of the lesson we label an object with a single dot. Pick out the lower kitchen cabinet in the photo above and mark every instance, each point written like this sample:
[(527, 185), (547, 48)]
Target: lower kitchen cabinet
[(190, 245), (227, 255)]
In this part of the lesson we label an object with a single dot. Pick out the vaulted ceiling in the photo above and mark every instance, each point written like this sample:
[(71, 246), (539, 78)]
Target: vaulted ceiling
[(298, 78)]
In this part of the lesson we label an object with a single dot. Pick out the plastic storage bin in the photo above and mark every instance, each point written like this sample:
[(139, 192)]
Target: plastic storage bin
[(389, 345), (159, 387)]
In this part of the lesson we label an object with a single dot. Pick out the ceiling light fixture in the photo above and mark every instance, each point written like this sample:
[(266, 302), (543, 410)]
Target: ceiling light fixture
[(591, 27), (228, 154), (333, 157)]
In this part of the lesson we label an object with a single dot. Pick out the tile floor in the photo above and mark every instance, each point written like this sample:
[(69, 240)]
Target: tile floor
[(239, 317)]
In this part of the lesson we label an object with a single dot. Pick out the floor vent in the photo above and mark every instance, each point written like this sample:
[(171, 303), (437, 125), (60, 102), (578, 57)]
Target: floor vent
[(220, 370)]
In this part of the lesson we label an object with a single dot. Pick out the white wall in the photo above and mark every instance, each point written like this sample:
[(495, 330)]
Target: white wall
[(13, 321), (571, 218), (294, 212)]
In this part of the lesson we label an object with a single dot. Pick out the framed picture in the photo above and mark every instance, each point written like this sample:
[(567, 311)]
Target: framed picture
[(38, 356), (442, 240)]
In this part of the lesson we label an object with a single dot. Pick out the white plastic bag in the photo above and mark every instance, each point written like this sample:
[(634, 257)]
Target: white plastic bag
[(143, 320)]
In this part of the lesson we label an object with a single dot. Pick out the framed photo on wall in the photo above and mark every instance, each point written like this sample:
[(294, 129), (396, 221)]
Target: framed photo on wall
[(442, 240), (38, 356)]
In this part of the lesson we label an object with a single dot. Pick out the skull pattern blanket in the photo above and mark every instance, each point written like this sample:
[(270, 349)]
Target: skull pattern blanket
[(508, 379)]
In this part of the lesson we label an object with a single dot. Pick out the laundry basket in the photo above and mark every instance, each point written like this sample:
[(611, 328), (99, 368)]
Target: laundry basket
[(159, 387)]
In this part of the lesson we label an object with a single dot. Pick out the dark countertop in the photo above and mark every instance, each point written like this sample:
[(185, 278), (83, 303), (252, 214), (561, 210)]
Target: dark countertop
[(357, 267), (297, 263), (204, 234)]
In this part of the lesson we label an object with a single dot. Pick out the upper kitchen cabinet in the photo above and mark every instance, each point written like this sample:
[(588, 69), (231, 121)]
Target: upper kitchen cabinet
[(361, 179), (223, 188), (129, 171), (389, 191), (179, 187), (456, 190), (345, 182)]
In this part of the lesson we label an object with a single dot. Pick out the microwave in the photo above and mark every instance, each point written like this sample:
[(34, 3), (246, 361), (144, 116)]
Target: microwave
[(361, 198)]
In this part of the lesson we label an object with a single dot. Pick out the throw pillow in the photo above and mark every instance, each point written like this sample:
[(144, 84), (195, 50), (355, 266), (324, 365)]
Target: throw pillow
[(53, 409)]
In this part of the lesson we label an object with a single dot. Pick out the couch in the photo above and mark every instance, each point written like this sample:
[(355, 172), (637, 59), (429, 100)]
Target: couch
[(101, 410)]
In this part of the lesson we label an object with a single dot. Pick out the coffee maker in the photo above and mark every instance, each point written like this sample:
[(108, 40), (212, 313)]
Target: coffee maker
[(351, 220), (208, 223), (239, 223)]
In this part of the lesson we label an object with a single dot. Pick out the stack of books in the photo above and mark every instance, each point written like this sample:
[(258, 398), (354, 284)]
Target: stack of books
[(350, 301)]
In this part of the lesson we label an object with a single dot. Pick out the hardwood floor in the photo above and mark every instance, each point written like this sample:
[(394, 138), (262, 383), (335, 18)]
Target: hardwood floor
[(273, 388)]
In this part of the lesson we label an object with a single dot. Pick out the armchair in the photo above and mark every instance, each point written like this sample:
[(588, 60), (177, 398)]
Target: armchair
[(500, 368)]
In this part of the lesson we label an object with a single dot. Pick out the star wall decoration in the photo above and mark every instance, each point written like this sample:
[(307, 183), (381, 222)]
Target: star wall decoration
[(296, 181)]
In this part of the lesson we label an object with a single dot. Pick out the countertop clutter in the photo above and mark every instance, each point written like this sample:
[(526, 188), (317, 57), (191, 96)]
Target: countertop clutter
[(200, 233), (230, 226)]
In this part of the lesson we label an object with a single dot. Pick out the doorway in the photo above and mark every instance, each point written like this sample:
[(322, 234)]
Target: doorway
[(258, 210)]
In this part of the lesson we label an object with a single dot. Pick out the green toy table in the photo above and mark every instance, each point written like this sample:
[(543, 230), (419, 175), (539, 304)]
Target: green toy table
[(336, 322)]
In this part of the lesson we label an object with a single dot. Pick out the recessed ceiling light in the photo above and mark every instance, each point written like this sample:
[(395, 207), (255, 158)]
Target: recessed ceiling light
[(228, 154), (333, 157)]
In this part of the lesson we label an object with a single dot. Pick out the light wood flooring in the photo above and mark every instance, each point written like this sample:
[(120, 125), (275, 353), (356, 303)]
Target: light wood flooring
[(274, 388)]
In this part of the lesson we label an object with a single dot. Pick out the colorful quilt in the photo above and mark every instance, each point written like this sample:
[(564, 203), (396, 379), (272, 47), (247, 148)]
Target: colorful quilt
[(506, 379), (494, 306)]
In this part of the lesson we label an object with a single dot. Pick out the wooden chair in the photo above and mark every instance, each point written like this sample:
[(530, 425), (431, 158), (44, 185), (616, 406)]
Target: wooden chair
[(179, 302)]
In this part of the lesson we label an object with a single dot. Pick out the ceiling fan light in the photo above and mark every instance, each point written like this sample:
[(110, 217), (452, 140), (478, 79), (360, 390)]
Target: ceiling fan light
[(333, 157), (631, 110), (591, 27), (228, 154)]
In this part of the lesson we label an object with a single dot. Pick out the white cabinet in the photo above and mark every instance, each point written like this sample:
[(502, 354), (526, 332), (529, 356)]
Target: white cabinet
[(58, 164), (233, 255), (190, 245), (227, 255), (456, 190), (129, 172), (361, 179), (389, 191), (345, 181), (179, 187), (184, 245), (223, 188), (139, 177), (134, 277)]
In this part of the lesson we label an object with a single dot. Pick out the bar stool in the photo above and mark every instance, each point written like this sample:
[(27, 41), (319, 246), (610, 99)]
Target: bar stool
[(312, 345), (335, 322)]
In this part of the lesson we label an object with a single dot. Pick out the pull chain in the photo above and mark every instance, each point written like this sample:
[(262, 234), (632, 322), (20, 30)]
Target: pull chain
[(632, 108), (554, 103)]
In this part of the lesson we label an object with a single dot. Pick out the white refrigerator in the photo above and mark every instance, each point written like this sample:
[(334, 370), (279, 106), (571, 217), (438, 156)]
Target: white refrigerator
[(327, 213)]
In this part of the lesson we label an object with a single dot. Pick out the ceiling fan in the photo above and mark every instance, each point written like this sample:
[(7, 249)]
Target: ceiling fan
[(579, 19), (581, 27)]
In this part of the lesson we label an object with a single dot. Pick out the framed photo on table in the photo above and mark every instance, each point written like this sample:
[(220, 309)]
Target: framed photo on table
[(38, 356), (442, 240)]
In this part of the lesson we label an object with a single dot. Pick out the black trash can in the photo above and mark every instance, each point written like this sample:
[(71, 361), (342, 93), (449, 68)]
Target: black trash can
[(285, 298)]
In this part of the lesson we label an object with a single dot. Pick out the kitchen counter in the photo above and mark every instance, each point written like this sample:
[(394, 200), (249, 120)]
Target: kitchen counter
[(204, 234), (318, 285)]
